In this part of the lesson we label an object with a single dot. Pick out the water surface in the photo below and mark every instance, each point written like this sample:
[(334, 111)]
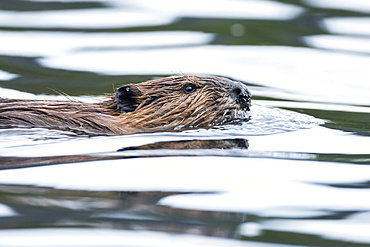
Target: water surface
[(296, 174)]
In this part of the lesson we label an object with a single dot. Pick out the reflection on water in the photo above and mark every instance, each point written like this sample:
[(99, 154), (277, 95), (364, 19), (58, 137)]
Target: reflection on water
[(295, 174), (193, 144)]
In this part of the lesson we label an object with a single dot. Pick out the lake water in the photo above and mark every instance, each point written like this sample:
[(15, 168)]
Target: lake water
[(296, 174)]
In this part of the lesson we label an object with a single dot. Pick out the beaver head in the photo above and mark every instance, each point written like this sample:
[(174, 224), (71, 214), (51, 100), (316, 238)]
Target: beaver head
[(182, 102)]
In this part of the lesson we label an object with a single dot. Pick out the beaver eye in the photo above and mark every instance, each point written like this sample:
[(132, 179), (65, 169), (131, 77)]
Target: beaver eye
[(189, 88)]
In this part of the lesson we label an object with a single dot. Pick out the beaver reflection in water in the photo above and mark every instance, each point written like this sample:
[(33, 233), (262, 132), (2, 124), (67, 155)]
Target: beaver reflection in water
[(171, 103)]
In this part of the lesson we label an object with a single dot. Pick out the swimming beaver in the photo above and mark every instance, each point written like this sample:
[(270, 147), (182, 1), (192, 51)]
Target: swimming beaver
[(171, 103)]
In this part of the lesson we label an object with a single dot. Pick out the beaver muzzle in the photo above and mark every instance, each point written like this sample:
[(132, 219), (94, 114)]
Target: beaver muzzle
[(241, 95)]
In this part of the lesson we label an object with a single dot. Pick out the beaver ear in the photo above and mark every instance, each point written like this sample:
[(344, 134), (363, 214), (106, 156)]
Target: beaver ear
[(126, 98)]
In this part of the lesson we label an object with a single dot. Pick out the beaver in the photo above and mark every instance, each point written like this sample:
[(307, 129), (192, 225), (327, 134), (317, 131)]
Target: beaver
[(167, 104)]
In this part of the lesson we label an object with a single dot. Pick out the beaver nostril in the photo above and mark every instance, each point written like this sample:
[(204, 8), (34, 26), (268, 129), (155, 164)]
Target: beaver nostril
[(237, 92)]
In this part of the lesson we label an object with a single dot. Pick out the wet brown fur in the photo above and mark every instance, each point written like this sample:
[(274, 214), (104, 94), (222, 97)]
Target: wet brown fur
[(160, 105)]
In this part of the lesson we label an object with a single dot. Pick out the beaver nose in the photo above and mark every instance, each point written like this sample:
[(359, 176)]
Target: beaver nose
[(240, 93)]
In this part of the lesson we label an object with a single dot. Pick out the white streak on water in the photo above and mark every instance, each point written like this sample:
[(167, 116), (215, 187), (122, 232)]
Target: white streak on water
[(347, 25), (352, 5), (6, 76), (6, 211), (353, 229), (51, 44), (90, 18), (230, 9), (339, 42), (95, 237)]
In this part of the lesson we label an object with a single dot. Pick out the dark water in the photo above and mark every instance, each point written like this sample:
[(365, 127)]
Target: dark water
[(297, 174)]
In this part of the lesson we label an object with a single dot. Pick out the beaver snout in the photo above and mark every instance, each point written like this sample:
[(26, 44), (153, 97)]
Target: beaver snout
[(240, 93)]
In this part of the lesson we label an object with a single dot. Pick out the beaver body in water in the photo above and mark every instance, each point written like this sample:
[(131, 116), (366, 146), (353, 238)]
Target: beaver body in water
[(171, 103)]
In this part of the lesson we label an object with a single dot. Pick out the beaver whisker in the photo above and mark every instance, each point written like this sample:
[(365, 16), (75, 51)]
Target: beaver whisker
[(204, 117), (206, 122), (226, 112)]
